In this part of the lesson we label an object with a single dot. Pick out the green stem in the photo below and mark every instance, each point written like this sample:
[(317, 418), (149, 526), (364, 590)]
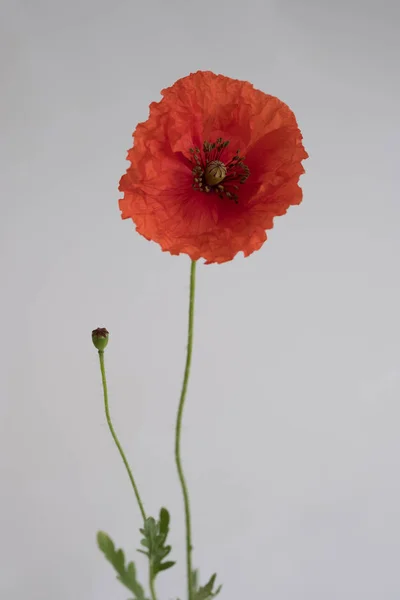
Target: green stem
[(114, 435), (151, 583), (179, 428)]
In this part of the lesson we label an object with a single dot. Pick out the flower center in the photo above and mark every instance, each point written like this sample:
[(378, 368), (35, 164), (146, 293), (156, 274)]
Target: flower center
[(213, 171)]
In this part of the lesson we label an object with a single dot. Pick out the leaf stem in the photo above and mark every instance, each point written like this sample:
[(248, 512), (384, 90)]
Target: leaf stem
[(178, 431), (114, 435), (151, 582)]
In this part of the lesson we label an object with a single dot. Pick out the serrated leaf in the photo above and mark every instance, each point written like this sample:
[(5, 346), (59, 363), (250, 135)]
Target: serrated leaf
[(217, 591), (154, 537), (207, 591), (126, 574)]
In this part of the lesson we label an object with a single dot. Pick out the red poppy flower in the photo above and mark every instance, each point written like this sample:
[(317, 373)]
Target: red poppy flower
[(215, 162)]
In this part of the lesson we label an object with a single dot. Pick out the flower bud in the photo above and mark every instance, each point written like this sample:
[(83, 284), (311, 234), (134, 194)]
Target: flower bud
[(100, 338)]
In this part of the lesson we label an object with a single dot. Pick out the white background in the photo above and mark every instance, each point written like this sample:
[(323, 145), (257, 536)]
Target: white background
[(291, 434)]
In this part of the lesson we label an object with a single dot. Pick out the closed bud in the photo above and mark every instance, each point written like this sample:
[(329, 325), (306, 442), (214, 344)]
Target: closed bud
[(100, 338)]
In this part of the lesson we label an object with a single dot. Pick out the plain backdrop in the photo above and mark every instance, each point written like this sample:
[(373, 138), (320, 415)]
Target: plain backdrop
[(291, 434)]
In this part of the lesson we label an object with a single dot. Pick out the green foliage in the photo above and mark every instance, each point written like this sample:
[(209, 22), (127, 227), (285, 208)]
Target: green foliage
[(154, 537), (205, 592), (126, 573)]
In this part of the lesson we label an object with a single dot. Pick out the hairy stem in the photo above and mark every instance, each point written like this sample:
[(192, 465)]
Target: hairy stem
[(114, 435), (179, 429)]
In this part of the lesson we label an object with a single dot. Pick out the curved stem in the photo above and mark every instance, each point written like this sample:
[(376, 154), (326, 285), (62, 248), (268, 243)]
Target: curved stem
[(114, 435), (178, 432)]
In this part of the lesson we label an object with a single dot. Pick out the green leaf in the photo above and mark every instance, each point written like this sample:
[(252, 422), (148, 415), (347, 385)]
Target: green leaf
[(166, 565), (164, 521), (154, 537), (126, 573), (206, 592)]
